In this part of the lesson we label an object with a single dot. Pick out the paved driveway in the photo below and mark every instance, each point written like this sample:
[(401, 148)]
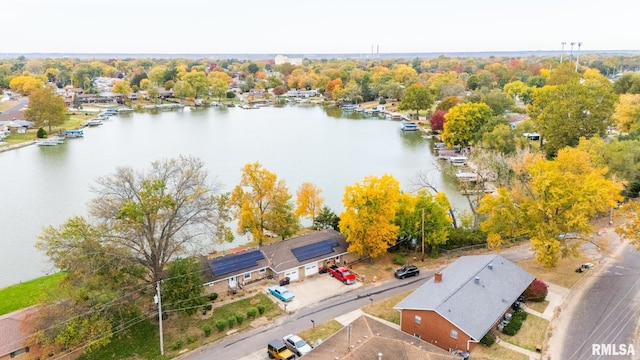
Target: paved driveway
[(312, 290)]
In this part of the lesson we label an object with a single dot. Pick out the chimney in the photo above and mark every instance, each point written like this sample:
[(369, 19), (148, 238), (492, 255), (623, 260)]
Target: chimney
[(437, 277), (477, 280), (490, 266)]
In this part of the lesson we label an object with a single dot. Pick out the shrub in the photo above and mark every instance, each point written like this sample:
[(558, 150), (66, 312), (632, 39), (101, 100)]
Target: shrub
[(251, 312), (239, 318), (230, 94), (41, 134), (261, 309), (398, 259), (208, 307), (382, 101), (177, 345), (207, 330), (537, 291), (192, 338), (512, 327), (221, 324), (488, 340), (520, 315), (213, 296), (231, 321)]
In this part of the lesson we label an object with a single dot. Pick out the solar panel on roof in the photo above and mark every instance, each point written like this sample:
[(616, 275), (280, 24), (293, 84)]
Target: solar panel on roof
[(230, 264), (310, 251)]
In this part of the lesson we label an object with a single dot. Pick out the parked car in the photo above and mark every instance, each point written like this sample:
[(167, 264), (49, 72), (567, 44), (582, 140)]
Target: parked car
[(587, 265), (296, 344), (406, 271), (281, 293), (285, 281), (278, 350)]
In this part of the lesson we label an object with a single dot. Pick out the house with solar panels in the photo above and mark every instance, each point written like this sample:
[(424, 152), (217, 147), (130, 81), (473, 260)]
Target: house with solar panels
[(295, 258)]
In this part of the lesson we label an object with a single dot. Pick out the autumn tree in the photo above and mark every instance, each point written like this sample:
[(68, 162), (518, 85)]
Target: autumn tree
[(368, 219), (627, 112), (262, 203), (447, 103), (123, 88), (437, 121), (500, 139), (219, 83), (150, 217), (463, 122), (552, 205), (25, 84), (198, 81), (416, 97), (46, 108), (308, 200), (183, 90), (423, 217), (565, 113)]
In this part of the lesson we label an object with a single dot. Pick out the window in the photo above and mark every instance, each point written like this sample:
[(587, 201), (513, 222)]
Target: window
[(247, 276), (453, 334), (417, 319), (19, 352), (416, 336), (262, 271)]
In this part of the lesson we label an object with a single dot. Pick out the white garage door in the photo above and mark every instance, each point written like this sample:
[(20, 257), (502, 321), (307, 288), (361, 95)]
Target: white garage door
[(292, 274), (311, 269)]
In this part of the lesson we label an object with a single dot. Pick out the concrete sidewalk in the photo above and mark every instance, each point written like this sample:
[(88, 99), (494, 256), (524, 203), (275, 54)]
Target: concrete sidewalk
[(556, 296), (532, 355)]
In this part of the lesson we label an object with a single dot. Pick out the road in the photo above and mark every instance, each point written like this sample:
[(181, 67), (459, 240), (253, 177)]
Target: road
[(607, 313), (240, 345)]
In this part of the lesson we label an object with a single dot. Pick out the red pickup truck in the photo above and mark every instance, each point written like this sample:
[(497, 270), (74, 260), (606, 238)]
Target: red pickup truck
[(342, 273)]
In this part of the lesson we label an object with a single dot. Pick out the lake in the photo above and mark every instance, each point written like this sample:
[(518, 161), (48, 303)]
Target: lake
[(46, 185)]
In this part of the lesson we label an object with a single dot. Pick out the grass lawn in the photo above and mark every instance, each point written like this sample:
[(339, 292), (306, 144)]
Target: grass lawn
[(184, 333), (383, 267), (538, 306), (563, 274), (496, 352), (322, 331), (28, 293), (533, 332), (384, 309)]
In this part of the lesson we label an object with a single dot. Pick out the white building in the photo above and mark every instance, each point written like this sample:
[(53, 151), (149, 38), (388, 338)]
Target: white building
[(281, 59)]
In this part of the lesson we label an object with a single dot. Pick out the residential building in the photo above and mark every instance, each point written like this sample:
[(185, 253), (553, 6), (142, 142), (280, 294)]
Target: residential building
[(460, 304), (13, 334), (282, 59)]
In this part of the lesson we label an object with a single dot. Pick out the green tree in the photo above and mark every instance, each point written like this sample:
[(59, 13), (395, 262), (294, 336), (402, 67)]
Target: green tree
[(46, 108), (565, 113), (198, 81), (183, 90), (253, 68), (262, 203), (183, 290), (368, 219), (326, 219), (161, 213), (157, 75), (500, 139), (463, 122), (416, 97)]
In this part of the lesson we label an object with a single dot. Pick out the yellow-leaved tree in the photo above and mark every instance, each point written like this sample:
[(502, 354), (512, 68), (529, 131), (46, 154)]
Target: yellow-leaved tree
[(263, 204), (308, 200), (553, 205), (370, 210)]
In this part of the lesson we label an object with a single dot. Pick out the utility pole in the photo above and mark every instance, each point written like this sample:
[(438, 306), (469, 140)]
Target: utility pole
[(158, 300), (423, 234), (578, 56)]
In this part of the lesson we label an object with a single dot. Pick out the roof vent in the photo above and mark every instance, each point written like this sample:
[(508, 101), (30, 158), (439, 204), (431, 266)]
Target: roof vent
[(490, 266), (477, 280)]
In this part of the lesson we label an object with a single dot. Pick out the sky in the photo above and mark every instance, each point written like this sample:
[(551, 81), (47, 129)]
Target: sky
[(314, 27)]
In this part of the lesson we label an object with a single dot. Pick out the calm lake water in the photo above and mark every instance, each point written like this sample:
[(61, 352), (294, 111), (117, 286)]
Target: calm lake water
[(46, 185)]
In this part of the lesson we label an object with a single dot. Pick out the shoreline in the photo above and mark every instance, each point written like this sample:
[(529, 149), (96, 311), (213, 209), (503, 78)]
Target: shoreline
[(17, 146)]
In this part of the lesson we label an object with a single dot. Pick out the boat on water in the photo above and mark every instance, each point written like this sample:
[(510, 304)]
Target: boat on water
[(94, 122), (409, 126), (458, 160), (74, 133), (52, 141), (348, 107), (106, 115)]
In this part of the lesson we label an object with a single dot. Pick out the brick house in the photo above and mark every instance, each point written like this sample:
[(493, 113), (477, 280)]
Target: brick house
[(460, 304), (13, 335), (296, 258)]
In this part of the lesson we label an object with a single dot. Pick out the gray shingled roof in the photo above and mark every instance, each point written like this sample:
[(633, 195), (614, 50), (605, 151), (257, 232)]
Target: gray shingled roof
[(472, 306)]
